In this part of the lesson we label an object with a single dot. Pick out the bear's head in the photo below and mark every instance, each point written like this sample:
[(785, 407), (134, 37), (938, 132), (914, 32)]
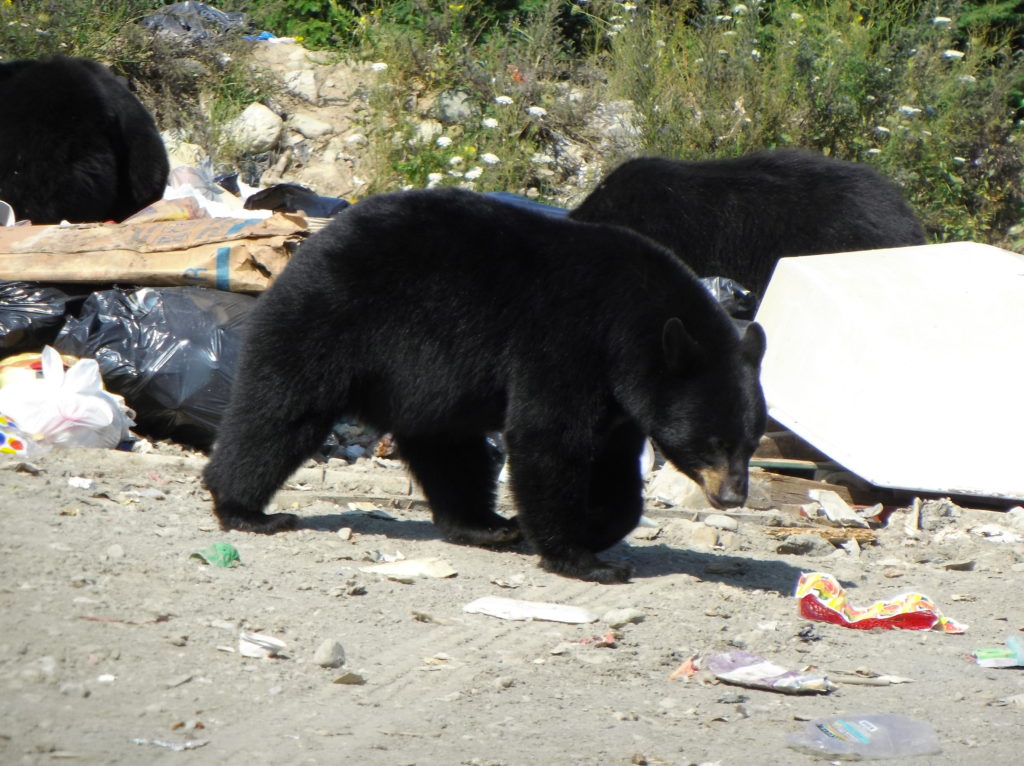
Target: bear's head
[(711, 410)]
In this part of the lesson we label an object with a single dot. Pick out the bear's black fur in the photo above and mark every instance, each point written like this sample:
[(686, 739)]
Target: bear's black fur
[(75, 144), (736, 217), (443, 315)]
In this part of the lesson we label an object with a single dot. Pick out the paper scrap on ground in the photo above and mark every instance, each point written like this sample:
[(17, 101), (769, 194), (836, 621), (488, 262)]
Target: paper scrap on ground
[(513, 609), (745, 669), (409, 569), (823, 598)]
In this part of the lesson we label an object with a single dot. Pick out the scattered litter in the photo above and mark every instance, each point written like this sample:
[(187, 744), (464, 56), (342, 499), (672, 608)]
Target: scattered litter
[(80, 482), (823, 598), (832, 508), (512, 609), (350, 679), (832, 534), (67, 408), (865, 737), (259, 645), (192, 744), (106, 678), (515, 581), (996, 533), (372, 511), (409, 569), (687, 670), (865, 677), (382, 557), (1009, 656), (1016, 700), (219, 555), (744, 669), (427, 617)]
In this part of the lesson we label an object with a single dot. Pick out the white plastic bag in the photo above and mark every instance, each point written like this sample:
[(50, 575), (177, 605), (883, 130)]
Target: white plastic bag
[(67, 409)]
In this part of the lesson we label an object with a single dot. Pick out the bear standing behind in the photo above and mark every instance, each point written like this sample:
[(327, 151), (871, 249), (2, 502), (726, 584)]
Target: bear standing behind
[(443, 315), (736, 217), (75, 144)]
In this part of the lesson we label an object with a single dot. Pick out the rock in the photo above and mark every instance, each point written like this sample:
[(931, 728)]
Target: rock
[(309, 126), (730, 541), (115, 552), (704, 537), (669, 485), (330, 654), (616, 618), (257, 129), (302, 83), (721, 521), (453, 107), (806, 545)]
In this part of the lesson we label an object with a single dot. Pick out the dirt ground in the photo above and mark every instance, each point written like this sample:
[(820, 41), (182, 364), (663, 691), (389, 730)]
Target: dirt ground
[(118, 647)]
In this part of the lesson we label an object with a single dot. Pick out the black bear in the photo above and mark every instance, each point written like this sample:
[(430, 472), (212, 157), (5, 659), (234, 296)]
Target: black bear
[(736, 217), (75, 144), (444, 315)]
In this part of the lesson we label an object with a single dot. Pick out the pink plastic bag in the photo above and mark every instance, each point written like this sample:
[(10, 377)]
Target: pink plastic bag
[(67, 409)]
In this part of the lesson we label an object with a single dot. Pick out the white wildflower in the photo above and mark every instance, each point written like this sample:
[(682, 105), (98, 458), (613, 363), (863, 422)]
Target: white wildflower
[(379, 66), (503, 100), (434, 179), (909, 111), (489, 122), (489, 159), (874, 151), (942, 21), (628, 6), (443, 141), (755, 54), (659, 43), (536, 111), (455, 161), (959, 160), (796, 16), (723, 18), (882, 130), (952, 55), (474, 172), (739, 9), (968, 78)]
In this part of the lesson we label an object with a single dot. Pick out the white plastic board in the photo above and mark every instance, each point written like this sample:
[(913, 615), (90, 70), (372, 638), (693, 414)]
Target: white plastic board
[(904, 365)]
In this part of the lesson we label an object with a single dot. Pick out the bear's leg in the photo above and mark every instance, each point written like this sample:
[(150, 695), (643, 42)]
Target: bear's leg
[(551, 480), (271, 427), (616, 488), (457, 476)]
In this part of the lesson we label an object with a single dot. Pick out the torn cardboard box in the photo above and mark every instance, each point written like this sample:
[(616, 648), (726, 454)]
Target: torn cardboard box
[(240, 255)]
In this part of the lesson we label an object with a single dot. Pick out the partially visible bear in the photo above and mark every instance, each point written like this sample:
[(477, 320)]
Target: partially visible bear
[(443, 315), (75, 144), (736, 217)]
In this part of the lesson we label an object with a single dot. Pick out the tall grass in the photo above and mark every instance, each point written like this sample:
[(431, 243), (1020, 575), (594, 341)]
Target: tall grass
[(895, 84)]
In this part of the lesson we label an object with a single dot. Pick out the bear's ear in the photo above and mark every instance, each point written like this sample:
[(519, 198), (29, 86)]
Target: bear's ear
[(680, 349), (752, 344)]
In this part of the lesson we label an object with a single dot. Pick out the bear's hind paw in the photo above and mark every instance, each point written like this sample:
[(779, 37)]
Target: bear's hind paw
[(264, 524), (591, 569)]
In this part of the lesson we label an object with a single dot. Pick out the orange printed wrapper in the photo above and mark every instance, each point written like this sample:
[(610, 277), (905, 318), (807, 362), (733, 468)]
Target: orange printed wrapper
[(822, 598)]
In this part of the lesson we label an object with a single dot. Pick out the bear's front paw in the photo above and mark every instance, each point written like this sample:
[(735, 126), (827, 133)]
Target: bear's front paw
[(501, 533), (264, 524), (590, 568)]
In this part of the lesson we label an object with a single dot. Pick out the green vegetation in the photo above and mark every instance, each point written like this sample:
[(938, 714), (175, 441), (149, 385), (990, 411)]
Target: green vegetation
[(928, 92)]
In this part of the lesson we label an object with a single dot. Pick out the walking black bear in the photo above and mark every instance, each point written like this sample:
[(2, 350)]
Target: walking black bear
[(443, 315), (75, 144), (736, 217)]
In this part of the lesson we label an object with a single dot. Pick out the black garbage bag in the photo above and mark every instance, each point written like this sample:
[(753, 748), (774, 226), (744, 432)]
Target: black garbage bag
[(193, 22), (170, 352), (294, 198), (31, 315)]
